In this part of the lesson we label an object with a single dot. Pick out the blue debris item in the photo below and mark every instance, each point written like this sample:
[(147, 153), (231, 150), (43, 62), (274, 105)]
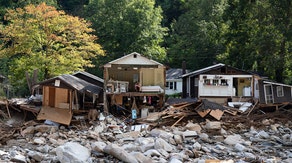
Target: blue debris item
[(134, 114)]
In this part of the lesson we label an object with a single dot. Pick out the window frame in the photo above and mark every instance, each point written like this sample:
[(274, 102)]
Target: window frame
[(280, 91)]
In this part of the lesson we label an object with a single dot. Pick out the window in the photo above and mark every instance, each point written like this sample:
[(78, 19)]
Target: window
[(196, 82), (171, 85), (224, 82), (280, 91), (207, 82), (215, 82)]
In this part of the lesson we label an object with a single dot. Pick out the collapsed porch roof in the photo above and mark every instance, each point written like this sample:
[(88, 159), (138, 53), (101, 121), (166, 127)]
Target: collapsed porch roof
[(72, 82)]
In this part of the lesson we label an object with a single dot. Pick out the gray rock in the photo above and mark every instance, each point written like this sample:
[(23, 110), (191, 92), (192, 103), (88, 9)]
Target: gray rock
[(163, 153), (44, 149), (130, 147), (46, 128), (204, 137), (197, 146), (40, 140), (288, 160), (223, 132), (161, 133), (263, 134), (213, 125), (172, 141), (193, 127), (28, 130), (189, 134), (178, 139), (35, 155), (249, 155), (162, 144), (233, 139), (18, 158), (119, 153), (239, 147), (146, 147), (180, 156), (140, 157), (98, 146), (144, 141), (174, 160), (72, 152), (151, 153)]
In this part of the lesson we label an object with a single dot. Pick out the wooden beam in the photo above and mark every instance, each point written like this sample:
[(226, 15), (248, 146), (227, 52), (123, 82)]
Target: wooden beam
[(178, 121)]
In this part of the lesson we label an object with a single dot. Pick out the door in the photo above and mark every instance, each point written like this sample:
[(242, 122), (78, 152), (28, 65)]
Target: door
[(269, 94), (52, 96)]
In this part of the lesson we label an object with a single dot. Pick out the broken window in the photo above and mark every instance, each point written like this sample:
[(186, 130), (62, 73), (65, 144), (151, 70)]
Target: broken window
[(280, 91)]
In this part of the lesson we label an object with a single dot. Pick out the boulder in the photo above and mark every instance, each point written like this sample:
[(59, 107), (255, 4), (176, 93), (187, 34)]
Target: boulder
[(72, 152), (213, 125), (233, 139), (98, 146), (140, 157), (120, 153), (193, 127), (162, 144)]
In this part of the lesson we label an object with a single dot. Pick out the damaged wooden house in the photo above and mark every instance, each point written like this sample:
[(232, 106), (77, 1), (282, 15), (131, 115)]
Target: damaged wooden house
[(66, 94), (274, 94), (220, 82), (133, 84), (224, 84)]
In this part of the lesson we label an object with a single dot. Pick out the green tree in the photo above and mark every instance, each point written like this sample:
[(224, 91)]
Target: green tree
[(196, 36), (40, 37), (125, 26), (259, 37)]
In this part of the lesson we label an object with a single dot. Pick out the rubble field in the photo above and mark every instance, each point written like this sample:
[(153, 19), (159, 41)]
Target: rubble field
[(257, 137)]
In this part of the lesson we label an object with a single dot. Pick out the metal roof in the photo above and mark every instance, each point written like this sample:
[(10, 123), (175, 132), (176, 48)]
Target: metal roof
[(204, 70), (89, 75), (75, 83), (174, 73)]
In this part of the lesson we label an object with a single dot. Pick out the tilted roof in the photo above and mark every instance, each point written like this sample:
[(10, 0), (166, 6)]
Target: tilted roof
[(89, 75), (74, 83)]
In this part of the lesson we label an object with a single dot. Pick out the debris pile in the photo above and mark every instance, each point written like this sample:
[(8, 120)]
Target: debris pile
[(235, 139), (191, 109)]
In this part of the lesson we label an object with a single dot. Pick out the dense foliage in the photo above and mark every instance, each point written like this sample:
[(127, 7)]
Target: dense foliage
[(252, 35), (40, 37)]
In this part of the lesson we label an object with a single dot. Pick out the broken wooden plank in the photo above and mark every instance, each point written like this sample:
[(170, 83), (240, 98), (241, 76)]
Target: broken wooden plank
[(252, 107), (217, 114), (178, 121), (203, 113), (8, 111), (232, 112)]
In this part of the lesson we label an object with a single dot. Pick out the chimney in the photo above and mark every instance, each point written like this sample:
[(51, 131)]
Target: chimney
[(184, 67)]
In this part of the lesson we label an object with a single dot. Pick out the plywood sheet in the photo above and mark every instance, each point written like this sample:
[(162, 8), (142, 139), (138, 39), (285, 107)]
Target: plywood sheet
[(203, 113), (119, 99), (58, 115), (217, 114)]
